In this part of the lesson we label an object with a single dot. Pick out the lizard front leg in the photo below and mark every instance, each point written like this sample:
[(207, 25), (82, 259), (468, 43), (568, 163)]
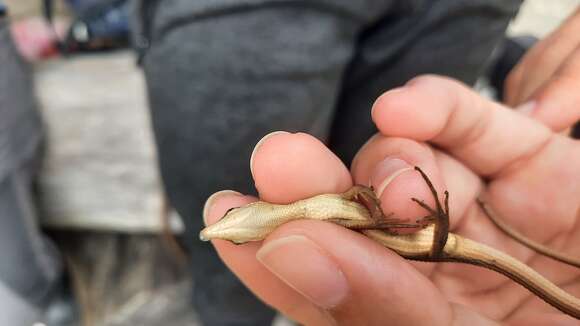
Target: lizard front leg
[(386, 222), (439, 216)]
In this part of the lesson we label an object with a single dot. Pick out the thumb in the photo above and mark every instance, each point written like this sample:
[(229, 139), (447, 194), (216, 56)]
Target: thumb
[(355, 280)]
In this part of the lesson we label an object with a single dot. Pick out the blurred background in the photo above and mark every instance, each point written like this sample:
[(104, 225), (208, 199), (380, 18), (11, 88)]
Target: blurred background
[(100, 193)]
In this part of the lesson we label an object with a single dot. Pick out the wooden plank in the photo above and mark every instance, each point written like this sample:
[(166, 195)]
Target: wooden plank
[(100, 170)]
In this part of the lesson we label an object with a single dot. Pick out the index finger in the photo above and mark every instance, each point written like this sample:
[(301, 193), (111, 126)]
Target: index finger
[(484, 135)]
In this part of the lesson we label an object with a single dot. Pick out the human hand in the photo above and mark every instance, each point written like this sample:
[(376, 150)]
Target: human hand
[(319, 273), (546, 81)]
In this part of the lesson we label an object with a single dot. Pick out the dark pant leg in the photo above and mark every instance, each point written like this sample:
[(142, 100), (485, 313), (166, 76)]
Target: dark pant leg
[(26, 275), (29, 266), (221, 76), (28, 263), (446, 37)]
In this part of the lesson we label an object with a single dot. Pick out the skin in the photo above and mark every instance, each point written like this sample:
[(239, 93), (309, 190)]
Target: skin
[(548, 75), (322, 274)]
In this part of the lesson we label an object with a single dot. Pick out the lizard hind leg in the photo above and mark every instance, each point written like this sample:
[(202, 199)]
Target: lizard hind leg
[(439, 215)]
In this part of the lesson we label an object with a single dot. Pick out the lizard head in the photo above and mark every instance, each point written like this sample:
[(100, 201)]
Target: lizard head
[(239, 225)]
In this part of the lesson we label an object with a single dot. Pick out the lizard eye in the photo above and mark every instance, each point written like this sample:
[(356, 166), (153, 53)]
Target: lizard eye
[(229, 210)]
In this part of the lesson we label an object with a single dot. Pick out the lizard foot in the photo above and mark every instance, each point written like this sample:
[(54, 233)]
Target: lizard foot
[(438, 216)]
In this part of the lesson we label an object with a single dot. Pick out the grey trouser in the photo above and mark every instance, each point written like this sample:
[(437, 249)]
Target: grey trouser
[(29, 266), (223, 73)]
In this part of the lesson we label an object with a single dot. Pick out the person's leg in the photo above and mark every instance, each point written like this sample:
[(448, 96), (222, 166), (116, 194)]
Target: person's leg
[(221, 75), (446, 37), (29, 266)]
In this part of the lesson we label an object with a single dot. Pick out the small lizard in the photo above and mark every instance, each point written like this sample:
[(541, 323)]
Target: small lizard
[(359, 209)]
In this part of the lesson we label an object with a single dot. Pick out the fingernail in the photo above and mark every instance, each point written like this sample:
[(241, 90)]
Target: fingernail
[(526, 108), (307, 268), (211, 200), (259, 143), (386, 171), (389, 92)]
